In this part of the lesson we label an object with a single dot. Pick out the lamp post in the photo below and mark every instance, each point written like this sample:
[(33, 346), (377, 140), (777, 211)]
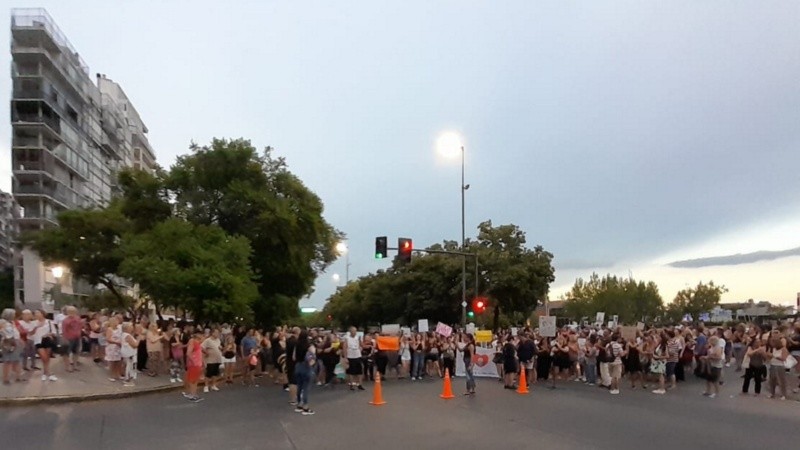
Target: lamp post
[(449, 144), (341, 249), (57, 272)]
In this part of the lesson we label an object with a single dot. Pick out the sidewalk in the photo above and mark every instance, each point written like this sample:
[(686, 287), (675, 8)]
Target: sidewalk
[(89, 383)]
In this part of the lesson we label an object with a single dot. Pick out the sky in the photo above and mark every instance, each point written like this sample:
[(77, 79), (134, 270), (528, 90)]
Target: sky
[(621, 136)]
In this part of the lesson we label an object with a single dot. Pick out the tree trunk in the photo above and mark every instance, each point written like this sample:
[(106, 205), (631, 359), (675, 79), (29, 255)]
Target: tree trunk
[(496, 319)]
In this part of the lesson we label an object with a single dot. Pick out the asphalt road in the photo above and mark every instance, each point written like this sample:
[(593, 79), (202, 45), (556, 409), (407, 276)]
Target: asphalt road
[(571, 417)]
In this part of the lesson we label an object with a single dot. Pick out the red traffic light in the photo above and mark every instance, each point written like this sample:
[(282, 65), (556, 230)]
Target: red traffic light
[(479, 304), (404, 247)]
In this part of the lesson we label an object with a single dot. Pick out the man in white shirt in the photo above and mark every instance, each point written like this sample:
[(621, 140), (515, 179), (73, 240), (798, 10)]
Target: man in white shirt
[(352, 348)]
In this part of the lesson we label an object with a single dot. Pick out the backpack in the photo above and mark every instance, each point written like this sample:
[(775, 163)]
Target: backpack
[(7, 345)]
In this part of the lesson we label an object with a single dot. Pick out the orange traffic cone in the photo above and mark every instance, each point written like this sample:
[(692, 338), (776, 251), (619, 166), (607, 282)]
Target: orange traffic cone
[(377, 394), (447, 390), (523, 383)]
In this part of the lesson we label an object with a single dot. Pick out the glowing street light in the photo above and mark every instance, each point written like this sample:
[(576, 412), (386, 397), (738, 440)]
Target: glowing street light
[(449, 145), (341, 249), (58, 272)]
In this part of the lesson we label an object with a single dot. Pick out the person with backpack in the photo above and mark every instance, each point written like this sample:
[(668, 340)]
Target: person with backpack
[(11, 346)]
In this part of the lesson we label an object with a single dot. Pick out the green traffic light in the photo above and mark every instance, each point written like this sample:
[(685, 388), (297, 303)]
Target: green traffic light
[(471, 314), (378, 256)]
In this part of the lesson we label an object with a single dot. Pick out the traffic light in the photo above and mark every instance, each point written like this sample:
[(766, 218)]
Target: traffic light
[(479, 305), (381, 244), (470, 314), (404, 248)]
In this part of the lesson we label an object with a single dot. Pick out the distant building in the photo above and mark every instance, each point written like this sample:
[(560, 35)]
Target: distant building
[(9, 215), (70, 137)]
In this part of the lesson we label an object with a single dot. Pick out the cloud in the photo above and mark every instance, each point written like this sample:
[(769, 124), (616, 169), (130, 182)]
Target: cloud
[(737, 259)]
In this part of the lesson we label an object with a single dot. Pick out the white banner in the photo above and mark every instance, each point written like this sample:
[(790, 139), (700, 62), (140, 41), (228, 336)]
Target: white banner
[(422, 325), (483, 365)]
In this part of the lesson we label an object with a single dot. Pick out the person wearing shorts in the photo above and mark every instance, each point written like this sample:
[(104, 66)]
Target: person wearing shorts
[(194, 366), (71, 328), (355, 371), (212, 356)]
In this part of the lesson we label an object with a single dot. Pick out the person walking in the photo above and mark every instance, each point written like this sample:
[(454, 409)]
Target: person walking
[(306, 359)]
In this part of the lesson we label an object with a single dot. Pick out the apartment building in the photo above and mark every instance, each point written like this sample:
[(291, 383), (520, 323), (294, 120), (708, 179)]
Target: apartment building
[(71, 134), (9, 214)]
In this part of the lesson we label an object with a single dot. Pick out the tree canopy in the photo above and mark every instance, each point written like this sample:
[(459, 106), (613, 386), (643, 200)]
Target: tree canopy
[(226, 232), (513, 277), (627, 298)]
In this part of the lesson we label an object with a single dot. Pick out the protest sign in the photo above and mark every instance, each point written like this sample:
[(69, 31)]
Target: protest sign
[(547, 326), (444, 330), (483, 336), (422, 325)]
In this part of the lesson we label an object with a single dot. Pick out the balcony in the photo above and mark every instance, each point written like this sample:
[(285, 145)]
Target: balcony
[(66, 197), (52, 123)]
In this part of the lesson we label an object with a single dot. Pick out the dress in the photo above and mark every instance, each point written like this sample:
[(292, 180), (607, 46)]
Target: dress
[(113, 353)]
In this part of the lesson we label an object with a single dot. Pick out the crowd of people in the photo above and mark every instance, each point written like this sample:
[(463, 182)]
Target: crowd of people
[(299, 358)]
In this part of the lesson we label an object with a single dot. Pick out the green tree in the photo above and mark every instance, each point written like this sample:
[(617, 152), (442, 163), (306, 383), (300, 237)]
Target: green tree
[(695, 301), (86, 241), (230, 184), (627, 298), (196, 268), (515, 277)]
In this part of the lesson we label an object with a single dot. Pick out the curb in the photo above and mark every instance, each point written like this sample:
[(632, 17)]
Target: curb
[(57, 399)]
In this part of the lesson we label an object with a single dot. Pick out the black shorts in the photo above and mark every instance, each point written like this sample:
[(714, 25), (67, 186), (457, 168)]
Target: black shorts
[(510, 367), (432, 357), (212, 370), (354, 366), (713, 374)]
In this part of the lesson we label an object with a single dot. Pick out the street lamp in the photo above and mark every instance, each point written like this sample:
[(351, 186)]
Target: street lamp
[(336, 278), (450, 145), (341, 249), (57, 272)]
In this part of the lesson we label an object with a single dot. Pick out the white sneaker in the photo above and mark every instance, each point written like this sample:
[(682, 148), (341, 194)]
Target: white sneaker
[(53, 378), (44, 377), (128, 384), (712, 395), (413, 378), (659, 392), (205, 389), (214, 388), (172, 380), (614, 391), (179, 380)]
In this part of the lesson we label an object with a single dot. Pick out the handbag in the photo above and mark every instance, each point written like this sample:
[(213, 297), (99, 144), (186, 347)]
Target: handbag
[(790, 362)]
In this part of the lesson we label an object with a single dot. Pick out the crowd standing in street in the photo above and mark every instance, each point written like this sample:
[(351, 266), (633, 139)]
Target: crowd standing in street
[(298, 359)]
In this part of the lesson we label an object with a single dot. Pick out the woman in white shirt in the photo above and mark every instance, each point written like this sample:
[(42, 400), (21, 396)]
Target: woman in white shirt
[(44, 340)]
